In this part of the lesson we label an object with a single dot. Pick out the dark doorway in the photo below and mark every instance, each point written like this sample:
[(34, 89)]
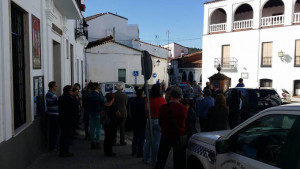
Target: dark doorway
[(18, 59), (184, 76), (57, 67), (191, 77)]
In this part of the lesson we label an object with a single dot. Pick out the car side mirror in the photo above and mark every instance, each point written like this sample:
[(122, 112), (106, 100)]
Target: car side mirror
[(222, 146)]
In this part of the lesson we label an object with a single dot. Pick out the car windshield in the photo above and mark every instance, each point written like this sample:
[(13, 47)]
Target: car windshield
[(263, 98)]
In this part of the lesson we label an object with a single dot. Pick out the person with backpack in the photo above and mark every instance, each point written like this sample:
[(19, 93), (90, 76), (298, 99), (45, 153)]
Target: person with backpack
[(109, 119)]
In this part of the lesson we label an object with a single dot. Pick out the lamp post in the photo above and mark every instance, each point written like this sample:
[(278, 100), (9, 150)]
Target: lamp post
[(158, 62), (280, 54)]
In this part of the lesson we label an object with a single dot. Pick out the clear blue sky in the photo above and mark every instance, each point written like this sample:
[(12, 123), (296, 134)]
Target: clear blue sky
[(183, 18)]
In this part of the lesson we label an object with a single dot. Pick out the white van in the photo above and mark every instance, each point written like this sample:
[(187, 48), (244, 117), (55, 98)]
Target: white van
[(111, 87)]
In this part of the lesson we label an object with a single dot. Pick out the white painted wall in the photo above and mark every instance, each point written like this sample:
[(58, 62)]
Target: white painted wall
[(48, 14), (246, 46), (176, 49), (104, 61), (154, 50), (103, 26)]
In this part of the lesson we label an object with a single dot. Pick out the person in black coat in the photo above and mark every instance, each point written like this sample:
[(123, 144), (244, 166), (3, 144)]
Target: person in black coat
[(218, 115), (111, 127), (67, 106), (234, 108), (138, 114), (86, 116)]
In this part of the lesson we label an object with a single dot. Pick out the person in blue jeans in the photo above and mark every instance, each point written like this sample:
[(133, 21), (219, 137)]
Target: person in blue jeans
[(156, 101), (95, 102)]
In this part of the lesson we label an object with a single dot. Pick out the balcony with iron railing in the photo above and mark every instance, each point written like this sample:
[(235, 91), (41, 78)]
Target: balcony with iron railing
[(226, 63), (266, 61)]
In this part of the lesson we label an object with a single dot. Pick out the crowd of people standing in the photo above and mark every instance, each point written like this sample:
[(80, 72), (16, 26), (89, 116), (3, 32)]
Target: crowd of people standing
[(169, 124)]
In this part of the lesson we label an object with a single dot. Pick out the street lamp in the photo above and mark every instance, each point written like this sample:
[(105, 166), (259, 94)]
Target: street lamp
[(85, 26), (157, 62), (280, 54)]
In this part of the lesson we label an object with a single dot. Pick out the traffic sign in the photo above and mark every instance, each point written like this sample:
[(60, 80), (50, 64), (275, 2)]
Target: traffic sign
[(135, 73), (154, 75), (146, 62)]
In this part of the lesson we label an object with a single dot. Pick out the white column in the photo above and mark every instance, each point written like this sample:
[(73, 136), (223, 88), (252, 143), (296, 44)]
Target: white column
[(206, 22), (256, 14), (288, 12), (6, 113), (229, 18)]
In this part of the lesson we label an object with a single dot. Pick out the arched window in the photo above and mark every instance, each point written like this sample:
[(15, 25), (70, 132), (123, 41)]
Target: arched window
[(218, 20), (265, 83), (183, 76), (191, 77), (243, 17), (273, 13), (297, 12)]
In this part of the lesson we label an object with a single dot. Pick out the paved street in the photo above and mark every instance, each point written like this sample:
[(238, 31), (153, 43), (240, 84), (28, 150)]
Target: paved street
[(86, 158)]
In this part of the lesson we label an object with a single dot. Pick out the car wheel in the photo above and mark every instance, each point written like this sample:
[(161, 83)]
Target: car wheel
[(194, 163)]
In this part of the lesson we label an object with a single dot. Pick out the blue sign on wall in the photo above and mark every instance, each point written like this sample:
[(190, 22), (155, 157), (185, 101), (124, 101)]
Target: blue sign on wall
[(135, 73), (154, 75)]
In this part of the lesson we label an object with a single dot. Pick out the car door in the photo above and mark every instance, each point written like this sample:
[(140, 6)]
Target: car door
[(259, 145)]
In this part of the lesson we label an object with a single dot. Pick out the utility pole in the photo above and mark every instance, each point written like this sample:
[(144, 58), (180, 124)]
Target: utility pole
[(168, 33)]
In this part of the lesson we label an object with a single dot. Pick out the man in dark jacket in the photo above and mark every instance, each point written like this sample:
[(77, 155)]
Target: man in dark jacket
[(67, 105), (138, 114), (86, 117), (95, 102), (121, 100)]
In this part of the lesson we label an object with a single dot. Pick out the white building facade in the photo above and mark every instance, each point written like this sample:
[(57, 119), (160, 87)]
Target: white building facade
[(108, 24), (112, 61), (37, 45), (176, 50), (254, 40), (116, 58)]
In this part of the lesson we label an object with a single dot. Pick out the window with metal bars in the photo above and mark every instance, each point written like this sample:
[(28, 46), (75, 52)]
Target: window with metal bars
[(297, 53), (18, 59), (266, 57), (265, 83)]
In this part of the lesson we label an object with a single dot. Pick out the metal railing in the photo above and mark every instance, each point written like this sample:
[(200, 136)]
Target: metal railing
[(218, 27), (296, 17), (272, 20), (266, 61), (227, 63), (297, 61), (243, 24)]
